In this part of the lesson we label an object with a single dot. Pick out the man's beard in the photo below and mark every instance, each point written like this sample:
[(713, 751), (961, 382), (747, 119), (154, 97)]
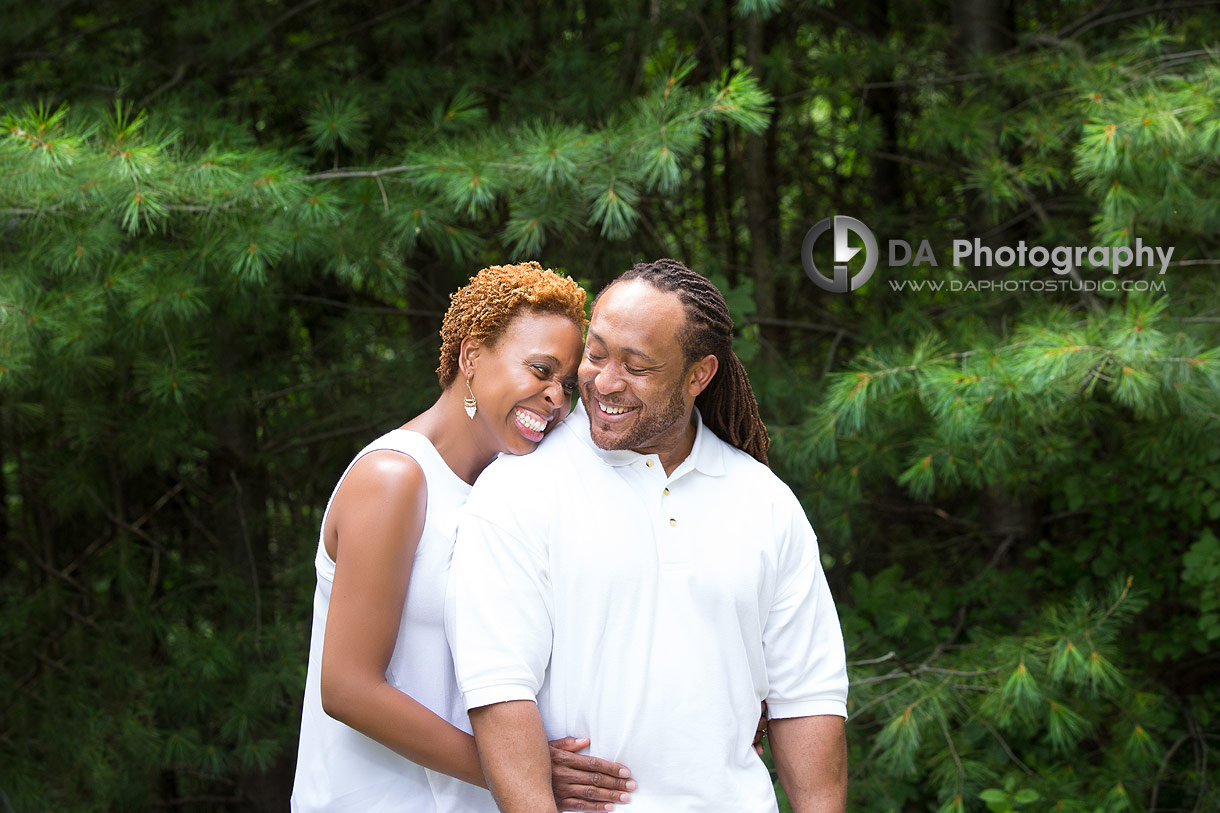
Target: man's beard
[(645, 428)]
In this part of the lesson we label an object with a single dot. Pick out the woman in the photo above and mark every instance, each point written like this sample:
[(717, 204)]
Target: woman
[(380, 684)]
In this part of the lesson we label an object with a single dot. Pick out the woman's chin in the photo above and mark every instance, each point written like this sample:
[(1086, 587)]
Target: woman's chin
[(523, 445)]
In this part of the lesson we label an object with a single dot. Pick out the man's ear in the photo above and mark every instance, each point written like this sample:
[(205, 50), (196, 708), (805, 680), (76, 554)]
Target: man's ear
[(468, 354), (701, 374)]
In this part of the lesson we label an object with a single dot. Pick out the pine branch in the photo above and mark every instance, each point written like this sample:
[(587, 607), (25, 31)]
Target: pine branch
[(1137, 12), (245, 533), (1007, 749), (1121, 598), (288, 14), (58, 574), (178, 75), (332, 174), (347, 306), (889, 656), (961, 774), (1156, 785)]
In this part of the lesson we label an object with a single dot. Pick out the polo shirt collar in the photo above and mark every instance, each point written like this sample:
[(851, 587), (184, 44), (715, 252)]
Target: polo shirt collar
[(706, 456)]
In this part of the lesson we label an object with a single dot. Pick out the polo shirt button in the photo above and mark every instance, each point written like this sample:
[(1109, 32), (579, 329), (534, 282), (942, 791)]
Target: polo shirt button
[(673, 522), (667, 492), (648, 463)]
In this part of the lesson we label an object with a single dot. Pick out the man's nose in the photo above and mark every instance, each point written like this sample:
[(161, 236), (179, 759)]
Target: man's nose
[(609, 378)]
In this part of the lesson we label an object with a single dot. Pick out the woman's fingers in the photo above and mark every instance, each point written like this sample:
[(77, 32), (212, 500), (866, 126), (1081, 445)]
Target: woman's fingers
[(570, 743), (592, 785), (611, 774), (591, 794), (583, 804), (590, 797), (582, 782), (760, 732)]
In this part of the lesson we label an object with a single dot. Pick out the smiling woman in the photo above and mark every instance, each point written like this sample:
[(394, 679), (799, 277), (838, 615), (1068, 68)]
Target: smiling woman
[(383, 725), (520, 383)]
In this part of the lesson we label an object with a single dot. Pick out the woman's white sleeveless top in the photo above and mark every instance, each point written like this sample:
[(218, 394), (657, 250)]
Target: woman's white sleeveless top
[(340, 769)]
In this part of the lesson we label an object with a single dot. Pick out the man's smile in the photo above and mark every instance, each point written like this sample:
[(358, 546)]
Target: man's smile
[(610, 409)]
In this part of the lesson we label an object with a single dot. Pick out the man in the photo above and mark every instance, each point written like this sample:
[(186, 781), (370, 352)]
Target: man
[(647, 580)]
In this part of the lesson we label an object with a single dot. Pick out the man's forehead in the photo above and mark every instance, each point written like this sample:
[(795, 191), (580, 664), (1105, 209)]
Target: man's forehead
[(640, 301), (638, 314)]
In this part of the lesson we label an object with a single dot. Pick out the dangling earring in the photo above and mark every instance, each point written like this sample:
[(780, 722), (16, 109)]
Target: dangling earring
[(471, 405)]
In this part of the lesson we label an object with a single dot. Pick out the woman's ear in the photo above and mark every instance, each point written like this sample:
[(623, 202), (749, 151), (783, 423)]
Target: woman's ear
[(468, 354)]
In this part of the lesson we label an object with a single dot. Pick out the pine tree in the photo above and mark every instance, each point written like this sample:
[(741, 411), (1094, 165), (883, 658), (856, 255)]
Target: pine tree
[(202, 316), (1002, 479), (228, 238)]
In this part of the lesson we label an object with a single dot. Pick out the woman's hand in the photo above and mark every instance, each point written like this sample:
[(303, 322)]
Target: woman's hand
[(760, 733), (583, 782)]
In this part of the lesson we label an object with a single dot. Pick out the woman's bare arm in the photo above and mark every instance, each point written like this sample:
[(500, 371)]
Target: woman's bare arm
[(375, 524)]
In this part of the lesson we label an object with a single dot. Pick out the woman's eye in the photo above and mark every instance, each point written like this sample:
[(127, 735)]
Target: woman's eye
[(542, 370), (569, 387)]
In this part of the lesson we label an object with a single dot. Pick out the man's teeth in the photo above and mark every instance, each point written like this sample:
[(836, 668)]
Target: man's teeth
[(530, 422), (612, 410)]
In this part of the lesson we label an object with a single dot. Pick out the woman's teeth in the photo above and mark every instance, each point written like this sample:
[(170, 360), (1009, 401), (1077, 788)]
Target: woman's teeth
[(530, 422)]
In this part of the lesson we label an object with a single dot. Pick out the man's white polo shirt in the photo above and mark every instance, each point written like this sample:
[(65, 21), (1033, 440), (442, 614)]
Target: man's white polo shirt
[(649, 613)]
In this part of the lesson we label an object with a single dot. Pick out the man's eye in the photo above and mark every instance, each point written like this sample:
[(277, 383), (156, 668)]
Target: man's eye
[(633, 370), (592, 357)]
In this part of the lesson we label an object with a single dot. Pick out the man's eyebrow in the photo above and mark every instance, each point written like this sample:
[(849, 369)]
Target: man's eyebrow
[(631, 351)]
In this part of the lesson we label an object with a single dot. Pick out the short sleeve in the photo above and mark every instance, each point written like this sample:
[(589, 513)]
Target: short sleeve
[(498, 612), (802, 640)]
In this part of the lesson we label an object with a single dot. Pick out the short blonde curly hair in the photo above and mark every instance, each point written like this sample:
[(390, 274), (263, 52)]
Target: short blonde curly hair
[(483, 308)]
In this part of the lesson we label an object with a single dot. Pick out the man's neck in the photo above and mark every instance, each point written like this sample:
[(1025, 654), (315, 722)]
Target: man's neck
[(671, 454)]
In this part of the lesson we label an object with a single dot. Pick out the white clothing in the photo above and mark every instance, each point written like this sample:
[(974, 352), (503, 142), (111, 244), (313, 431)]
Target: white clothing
[(340, 769), (648, 612)]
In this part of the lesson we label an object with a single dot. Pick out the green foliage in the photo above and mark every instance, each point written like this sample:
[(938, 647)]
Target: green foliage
[(1005, 801), (227, 239), (988, 471), (1202, 570), (942, 419), (210, 300), (338, 122)]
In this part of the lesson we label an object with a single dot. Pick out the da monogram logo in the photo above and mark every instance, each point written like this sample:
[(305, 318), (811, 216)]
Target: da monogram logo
[(842, 281)]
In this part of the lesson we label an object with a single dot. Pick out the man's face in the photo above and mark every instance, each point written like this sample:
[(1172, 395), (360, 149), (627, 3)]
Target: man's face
[(633, 377)]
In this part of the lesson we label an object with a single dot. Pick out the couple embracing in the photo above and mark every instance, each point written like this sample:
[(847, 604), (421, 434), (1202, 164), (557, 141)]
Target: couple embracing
[(628, 582)]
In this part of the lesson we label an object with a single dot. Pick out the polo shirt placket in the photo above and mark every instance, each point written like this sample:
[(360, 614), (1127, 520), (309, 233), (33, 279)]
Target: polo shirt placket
[(655, 490)]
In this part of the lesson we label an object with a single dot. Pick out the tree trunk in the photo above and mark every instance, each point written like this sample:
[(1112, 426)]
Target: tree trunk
[(888, 188), (757, 183), (983, 28), (728, 159)]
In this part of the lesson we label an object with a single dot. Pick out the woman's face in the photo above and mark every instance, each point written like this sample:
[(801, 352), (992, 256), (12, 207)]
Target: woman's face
[(524, 384)]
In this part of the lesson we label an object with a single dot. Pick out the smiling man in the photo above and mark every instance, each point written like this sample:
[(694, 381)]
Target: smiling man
[(643, 579)]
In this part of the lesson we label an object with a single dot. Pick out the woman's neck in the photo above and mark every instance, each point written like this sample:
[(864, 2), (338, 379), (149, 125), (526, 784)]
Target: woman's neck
[(461, 442)]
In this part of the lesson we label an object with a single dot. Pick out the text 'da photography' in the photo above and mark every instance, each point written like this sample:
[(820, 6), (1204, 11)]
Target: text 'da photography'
[(840, 254)]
